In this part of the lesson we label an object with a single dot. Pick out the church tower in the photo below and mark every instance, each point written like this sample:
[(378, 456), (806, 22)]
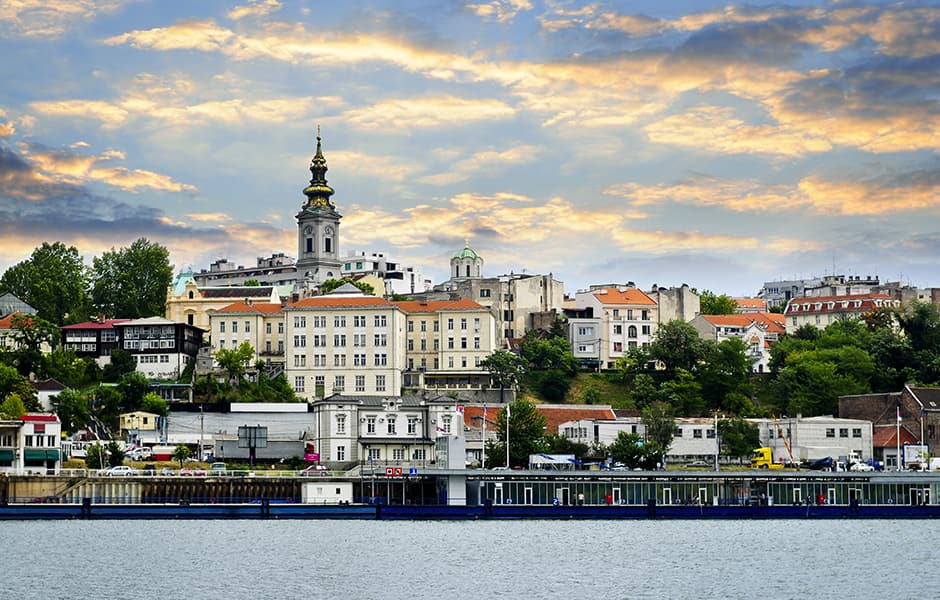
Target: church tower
[(317, 229), (466, 264)]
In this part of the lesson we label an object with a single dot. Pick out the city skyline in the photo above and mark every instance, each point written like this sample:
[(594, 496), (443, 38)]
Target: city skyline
[(715, 144)]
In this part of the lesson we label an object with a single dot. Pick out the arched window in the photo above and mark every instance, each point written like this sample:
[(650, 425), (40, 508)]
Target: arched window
[(468, 270), (191, 295), (631, 331)]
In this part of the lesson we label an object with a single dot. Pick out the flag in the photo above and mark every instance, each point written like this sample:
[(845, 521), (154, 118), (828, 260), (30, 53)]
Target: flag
[(458, 409), (921, 414), (899, 414)]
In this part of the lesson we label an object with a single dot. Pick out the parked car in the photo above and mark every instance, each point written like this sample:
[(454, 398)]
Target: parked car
[(167, 471), (698, 464), (139, 454), (218, 468), (860, 466), (193, 472), (149, 469), (314, 470), (119, 471)]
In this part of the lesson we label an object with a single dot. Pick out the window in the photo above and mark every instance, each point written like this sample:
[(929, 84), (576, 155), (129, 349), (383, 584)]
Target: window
[(375, 454), (424, 326), (380, 339), (341, 453), (450, 323), (300, 341), (484, 293), (584, 331), (359, 360), (645, 315), (340, 423), (379, 321), (221, 327), (390, 425), (450, 362), (476, 343), (380, 383), (645, 329), (463, 343), (830, 432), (398, 454), (267, 328), (677, 433), (697, 433), (843, 432), (247, 326), (445, 423), (234, 326), (418, 454), (280, 328), (476, 324), (450, 343), (380, 360), (339, 360), (370, 424), (359, 321), (710, 434), (463, 323), (339, 321), (360, 383), (411, 345), (616, 313), (411, 326), (299, 383), (300, 321), (412, 425), (300, 360), (618, 346), (339, 383), (631, 331), (618, 329), (339, 340), (424, 345)]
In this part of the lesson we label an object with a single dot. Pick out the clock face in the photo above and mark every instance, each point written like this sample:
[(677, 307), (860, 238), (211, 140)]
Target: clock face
[(308, 230)]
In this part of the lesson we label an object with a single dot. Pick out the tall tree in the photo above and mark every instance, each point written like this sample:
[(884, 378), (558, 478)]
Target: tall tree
[(737, 437), (13, 383), (677, 345), (504, 368), (72, 409), (712, 304), (32, 336), (54, 281), (660, 422), (632, 451), (235, 360), (526, 432), (131, 282)]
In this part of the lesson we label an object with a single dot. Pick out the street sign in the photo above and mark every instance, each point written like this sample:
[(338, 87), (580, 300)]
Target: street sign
[(412, 472)]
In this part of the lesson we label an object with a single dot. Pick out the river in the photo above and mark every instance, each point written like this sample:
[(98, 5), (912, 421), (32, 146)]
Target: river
[(249, 560)]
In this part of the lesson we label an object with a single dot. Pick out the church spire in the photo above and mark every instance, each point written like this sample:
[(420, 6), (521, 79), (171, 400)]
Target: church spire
[(318, 192)]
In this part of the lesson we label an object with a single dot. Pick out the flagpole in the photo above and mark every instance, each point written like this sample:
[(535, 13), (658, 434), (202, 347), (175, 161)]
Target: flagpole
[(507, 436), (898, 427), (483, 464)]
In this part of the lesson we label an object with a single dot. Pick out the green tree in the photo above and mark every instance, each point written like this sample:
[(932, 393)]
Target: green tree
[(181, 454), (252, 283), (132, 387), (660, 422), (153, 403), (122, 363), (711, 304), (505, 369), (331, 284), (726, 370), (644, 391), (95, 456), (633, 452), (737, 437), (131, 282), (684, 394), (63, 366), (235, 361), (11, 382), (12, 407), (115, 454), (72, 409), (677, 345), (559, 444), (31, 337), (526, 432), (548, 354), (106, 404), (54, 281)]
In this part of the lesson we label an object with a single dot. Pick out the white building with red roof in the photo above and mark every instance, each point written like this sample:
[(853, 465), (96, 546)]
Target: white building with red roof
[(31, 444), (758, 331), (822, 311), (615, 319)]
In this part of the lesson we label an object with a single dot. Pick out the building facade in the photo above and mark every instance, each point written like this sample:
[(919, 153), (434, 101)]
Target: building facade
[(317, 229), (822, 311), (623, 318), (759, 331), (396, 278), (31, 444), (161, 348)]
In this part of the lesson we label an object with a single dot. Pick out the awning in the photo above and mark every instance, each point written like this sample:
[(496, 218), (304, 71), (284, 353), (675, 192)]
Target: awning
[(40, 455), (7, 455)]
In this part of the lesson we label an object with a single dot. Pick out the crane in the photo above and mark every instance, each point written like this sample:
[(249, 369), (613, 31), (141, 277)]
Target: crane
[(786, 442)]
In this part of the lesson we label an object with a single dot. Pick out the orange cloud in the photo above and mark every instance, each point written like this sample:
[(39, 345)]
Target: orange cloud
[(427, 112), (502, 11), (51, 18), (257, 8)]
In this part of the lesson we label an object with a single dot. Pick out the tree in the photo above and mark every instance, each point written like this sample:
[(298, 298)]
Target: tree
[(106, 404), (559, 444), (11, 382), (132, 387), (684, 394), (72, 410), (181, 454), (331, 284), (54, 281), (710, 304), (235, 360), (737, 437), (115, 454), (632, 451), (252, 283), (726, 370), (526, 431), (677, 345), (31, 335), (12, 407), (644, 391), (65, 367), (504, 368), (153, 403), (131, 282), (95, 456), (122, 363), (548, 354), (659, 420)]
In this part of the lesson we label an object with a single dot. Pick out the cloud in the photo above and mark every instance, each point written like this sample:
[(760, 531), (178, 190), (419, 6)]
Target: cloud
[(409, 113), (502, 11), (188, 35), (714, 129), (910, 191), (356, 164), (256, 8), (51, 18), (73, 168), (489, 161)]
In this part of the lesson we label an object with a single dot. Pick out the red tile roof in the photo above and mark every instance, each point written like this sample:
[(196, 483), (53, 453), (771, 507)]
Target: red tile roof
[(885, 436), (414, 306), (261, 307), (626, 296), (48, 418), (751, 303), (555, 415), (772, 322), (341, 302), (106, 324), (867, 303)]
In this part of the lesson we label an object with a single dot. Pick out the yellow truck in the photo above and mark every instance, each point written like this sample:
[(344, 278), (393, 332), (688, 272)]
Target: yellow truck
[(763, 458)]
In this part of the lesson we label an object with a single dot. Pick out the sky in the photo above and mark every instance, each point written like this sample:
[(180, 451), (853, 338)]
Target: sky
[(715, 144)]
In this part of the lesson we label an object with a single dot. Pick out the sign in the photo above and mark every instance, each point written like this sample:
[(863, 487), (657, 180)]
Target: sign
[(412, 472), (312, 457), (393, 472)]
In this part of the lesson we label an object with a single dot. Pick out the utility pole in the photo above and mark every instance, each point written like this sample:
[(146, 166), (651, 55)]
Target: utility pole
[(202, 423)]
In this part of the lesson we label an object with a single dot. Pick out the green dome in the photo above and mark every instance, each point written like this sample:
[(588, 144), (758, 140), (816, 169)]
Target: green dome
[(466, 253)]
